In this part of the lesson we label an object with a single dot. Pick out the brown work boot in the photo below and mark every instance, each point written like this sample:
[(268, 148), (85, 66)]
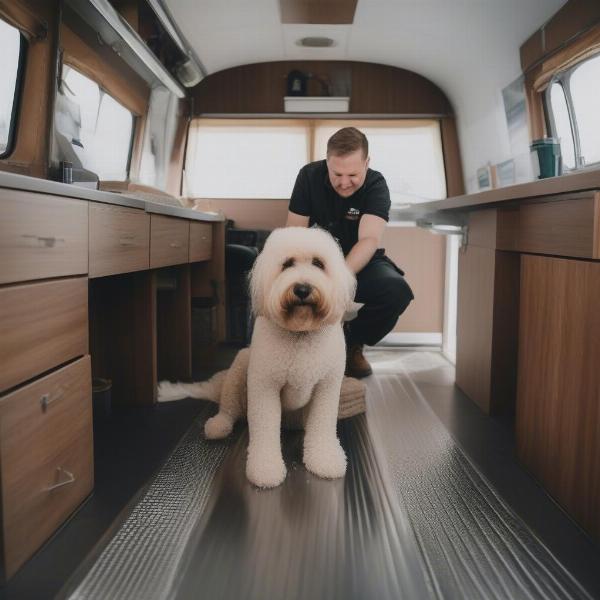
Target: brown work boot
[(356, 364)]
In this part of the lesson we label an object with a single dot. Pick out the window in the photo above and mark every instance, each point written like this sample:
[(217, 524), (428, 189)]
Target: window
[(407, 153), (12, 46), (159, 136), (244, 158), (562, 124), (95, 132), (573, 113), (232, 158), (585, 91)]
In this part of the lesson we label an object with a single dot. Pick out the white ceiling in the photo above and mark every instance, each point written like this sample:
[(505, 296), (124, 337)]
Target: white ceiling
[(469, 48), (444, 40)]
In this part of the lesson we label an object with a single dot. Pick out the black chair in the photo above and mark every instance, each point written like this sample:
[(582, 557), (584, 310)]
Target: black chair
[(239, 259)]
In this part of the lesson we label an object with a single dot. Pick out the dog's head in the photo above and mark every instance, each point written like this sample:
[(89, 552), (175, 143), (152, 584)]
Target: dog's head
[(300, 280)]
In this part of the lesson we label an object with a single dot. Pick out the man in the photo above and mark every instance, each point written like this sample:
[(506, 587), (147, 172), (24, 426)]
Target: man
[(341, 194)]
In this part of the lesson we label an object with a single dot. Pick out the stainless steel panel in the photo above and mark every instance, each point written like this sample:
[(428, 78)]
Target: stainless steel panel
[(413, 518)]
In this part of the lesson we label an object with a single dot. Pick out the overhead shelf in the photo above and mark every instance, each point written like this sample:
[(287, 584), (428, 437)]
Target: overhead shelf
[(122, 38), (316, 104)]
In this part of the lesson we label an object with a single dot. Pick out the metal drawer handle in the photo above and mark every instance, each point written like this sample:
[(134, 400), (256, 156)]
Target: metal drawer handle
[(175, 245), (70, 479), (45, 400), (49, 242)]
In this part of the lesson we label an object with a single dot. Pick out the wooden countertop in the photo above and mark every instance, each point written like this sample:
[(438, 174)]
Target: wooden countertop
[(575, 182)]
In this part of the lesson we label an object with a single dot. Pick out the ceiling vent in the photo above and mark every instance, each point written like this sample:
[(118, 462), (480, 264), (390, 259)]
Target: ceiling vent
[(316, 42)]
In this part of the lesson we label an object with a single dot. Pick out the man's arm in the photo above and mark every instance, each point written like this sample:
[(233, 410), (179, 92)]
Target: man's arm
[(299, 202), (295, 220), (370, 232)]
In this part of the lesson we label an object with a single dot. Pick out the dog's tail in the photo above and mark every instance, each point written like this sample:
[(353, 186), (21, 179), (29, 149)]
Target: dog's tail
[(204, 390)]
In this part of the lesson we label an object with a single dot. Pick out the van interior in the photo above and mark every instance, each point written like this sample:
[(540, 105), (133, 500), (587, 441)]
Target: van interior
[(148, 148)]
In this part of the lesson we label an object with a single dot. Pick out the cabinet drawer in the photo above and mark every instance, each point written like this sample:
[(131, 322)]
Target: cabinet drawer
[(119, 240), (41, 326), (169, 241), (200, 241), (46, 455), (41, 236), (567, 227)]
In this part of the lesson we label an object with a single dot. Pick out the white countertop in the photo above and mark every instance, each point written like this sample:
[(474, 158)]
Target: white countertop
[(45, 186)]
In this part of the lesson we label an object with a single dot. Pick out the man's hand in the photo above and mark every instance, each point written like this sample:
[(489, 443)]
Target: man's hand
[(370, 232), (295, 220)]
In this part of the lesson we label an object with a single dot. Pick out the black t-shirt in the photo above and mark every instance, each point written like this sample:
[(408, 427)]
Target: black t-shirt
[(314, 197)]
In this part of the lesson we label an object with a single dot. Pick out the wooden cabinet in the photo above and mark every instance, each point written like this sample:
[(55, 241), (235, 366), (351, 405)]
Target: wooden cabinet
[(487, 318), (42, 325), (48, 245), (46, 465), (42, 236), (558, 398), (119, 240), (475, 323), (169, 241), (46, 457), (200, 241), (488, 285), (566, 227), (528, 337)]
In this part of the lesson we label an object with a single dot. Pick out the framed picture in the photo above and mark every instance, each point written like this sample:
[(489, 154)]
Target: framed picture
[(505, 173), (515, 108), (485, 178)]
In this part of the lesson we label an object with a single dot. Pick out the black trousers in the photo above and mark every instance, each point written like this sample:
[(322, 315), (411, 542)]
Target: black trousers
[(383, 290)]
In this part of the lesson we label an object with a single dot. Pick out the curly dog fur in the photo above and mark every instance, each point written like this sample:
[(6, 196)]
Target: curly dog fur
[(300, 288)]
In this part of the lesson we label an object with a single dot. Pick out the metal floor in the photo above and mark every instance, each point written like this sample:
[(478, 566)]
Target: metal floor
[(413, 518)]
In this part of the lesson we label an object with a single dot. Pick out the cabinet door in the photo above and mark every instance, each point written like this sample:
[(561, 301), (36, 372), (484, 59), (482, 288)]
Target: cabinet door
[(119, 239), (46, 455), (169, 241), (200, 241), (42, 236), (42, 325), (558, 397)]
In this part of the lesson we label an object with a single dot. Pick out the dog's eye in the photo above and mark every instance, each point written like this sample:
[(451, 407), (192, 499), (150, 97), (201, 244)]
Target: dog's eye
[(287, 264), (318, 263)]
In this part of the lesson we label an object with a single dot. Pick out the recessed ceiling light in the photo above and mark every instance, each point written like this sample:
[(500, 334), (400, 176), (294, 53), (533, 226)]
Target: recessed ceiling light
[(316, 42)]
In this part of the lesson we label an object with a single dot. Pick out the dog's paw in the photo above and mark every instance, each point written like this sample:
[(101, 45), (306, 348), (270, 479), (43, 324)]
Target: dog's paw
[(218, 427), (325, 460), (267, 473)]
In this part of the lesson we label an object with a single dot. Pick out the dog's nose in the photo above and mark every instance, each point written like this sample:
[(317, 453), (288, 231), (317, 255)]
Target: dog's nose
[(302, 290)]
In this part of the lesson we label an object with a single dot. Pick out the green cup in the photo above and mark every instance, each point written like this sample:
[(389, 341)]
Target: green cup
[(546, 157)]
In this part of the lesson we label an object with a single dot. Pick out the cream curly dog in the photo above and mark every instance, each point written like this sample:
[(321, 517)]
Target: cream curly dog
[(300, 288)]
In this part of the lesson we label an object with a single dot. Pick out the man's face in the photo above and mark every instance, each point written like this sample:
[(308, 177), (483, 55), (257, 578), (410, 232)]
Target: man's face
[(347, 173)]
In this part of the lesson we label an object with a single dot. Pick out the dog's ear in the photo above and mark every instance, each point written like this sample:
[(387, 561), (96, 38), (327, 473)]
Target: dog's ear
[(262, 271)]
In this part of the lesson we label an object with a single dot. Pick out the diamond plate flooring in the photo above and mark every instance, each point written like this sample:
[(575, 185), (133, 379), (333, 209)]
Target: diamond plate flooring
[(415, 516)]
